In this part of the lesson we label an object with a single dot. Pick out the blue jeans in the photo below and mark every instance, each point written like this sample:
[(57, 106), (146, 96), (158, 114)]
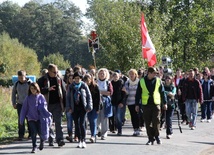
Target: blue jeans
[(191, 111), (118, 116), (69, 123), (92, 118), (35, 129), (206, 110)]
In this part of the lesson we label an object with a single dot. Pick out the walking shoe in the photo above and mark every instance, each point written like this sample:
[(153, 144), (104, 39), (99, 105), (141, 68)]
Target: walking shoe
[(169, 136), (136, 133), (119, 134), (83, 144), (192, 128), (61, 143), (51, 144), (34, 150), (70, 139), (79, 145), (209, 120), (92, 139), (203, 120), (103, 138), (150, 142), (41, 145), (99, 134)]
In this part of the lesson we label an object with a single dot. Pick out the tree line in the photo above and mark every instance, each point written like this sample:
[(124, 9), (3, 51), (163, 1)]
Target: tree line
[(180, 29)]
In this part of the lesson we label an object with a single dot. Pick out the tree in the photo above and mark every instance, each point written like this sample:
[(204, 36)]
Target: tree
[(118, 26), (15, 57), (56, 59)]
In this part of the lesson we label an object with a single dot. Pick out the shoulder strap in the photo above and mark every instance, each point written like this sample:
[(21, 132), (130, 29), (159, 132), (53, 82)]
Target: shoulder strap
[(15, 86)]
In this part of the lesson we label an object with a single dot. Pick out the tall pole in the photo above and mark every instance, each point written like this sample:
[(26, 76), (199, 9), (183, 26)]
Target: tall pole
[(93, 45)]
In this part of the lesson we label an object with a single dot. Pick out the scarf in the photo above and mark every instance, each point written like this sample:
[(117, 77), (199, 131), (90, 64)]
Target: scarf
[(77, 92)]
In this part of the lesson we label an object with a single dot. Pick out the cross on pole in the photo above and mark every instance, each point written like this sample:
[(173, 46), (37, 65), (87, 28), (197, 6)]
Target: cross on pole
[(93, 35)]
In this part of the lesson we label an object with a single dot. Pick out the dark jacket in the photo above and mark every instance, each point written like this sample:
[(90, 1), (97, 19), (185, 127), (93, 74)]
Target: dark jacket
[(118, 95), (95, 93), (44, 85), (192, 90)]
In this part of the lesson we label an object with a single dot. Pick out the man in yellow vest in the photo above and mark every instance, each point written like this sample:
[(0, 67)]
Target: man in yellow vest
[(150, 92)]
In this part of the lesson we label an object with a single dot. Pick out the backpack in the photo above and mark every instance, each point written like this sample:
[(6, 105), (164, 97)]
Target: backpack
[(16, 84)]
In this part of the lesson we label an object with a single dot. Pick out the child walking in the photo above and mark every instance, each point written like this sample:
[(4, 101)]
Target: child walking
[(39, 118)]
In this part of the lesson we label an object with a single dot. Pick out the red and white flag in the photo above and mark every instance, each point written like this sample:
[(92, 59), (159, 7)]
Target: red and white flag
[(148, 49)]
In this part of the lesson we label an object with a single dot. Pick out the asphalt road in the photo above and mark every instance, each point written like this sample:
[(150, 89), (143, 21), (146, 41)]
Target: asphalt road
[(191, 142)]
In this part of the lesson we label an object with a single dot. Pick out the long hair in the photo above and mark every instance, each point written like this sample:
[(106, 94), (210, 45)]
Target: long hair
[(36, 86), (92, 84)]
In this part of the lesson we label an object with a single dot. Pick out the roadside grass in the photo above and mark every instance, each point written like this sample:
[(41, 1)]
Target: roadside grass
[(8, 117)]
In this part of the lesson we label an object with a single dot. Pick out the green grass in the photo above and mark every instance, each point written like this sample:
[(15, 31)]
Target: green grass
[(8, 117)]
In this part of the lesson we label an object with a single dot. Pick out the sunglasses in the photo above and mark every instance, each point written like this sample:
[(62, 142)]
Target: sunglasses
[(55, 72)]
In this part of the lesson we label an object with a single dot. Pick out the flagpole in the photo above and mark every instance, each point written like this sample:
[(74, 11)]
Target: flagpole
[(142, 42)]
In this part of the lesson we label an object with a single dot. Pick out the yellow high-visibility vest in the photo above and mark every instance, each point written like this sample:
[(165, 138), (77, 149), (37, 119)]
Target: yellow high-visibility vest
[(145, 92)]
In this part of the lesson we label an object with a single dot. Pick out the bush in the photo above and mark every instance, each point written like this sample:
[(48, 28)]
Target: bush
[(5, 82), (8, 115)]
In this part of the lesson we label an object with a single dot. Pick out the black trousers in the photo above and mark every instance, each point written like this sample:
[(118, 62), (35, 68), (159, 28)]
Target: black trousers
[(151, 114)]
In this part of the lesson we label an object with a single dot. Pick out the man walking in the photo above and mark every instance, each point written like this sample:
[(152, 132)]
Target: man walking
[(192, 94), (150, 91), (53, 88), (19, 92)]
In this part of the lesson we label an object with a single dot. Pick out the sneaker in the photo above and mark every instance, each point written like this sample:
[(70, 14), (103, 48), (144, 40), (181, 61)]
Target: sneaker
[(203, 120), (61, 143), (34, 150), (103, 138), (136, 133), (119, 134), (83, 144), (209, 120), (169, 136), (99, 134), (79, 145), (192, 128), (41, 145), (92, 139), (70, 139), (150, 142)]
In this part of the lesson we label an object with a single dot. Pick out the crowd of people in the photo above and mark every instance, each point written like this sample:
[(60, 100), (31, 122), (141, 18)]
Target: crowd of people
[(99, 99)]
